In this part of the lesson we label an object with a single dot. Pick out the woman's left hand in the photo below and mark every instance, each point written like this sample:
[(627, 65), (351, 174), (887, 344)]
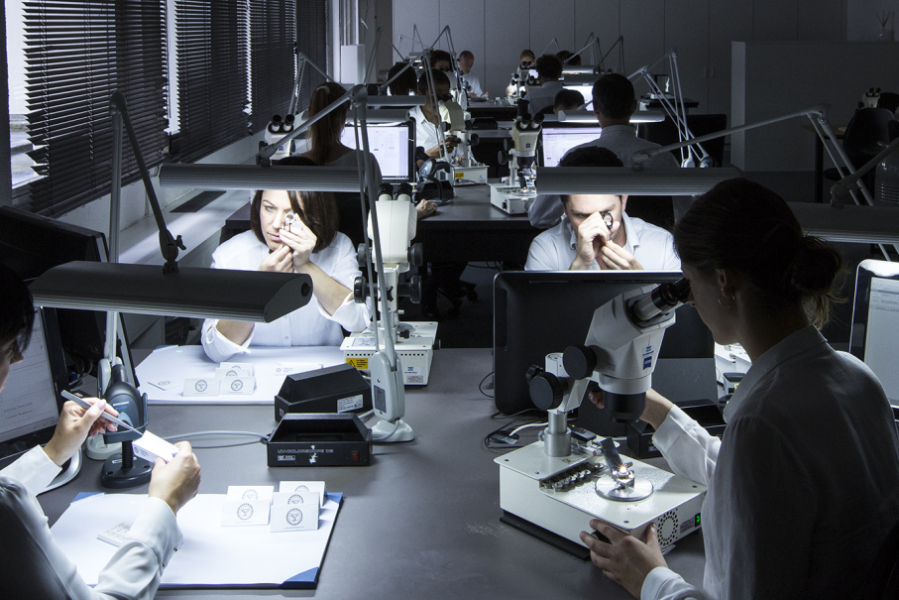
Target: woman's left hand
[(624, 559), (301, 242), (75, 423)]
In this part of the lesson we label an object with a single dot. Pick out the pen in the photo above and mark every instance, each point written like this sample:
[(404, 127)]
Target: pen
[(85, 404)]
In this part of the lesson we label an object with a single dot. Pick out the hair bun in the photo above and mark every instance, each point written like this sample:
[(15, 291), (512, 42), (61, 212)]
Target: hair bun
[(813, 269)]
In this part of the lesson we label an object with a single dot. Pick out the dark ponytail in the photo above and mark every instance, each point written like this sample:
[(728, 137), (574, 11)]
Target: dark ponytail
[(324, 135), (742, 226)]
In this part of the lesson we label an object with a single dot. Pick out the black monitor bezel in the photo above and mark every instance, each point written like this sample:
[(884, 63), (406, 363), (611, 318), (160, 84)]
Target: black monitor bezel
[(861, 304)]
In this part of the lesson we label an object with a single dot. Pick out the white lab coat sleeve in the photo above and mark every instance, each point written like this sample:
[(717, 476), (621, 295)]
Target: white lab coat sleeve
[(39, 564), (690, 450), (664, 584), (351, 316), (545, 211), (217, 347)]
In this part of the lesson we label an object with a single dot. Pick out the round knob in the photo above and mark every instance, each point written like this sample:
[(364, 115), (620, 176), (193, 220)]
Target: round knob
[(415, 289), (416, 255), (474, 139), (360, 290), (579, 361), (361, 256), (546, 391)]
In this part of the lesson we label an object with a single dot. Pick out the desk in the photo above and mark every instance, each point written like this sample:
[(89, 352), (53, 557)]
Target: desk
[(468, 229), (422, 521)]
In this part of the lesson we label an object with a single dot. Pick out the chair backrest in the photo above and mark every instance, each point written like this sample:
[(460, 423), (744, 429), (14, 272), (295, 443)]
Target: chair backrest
[(867, 132), (882, 582), (889, 101)]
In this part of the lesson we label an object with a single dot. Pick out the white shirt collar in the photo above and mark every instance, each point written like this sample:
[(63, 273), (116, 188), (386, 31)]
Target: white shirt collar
[(795, 343)]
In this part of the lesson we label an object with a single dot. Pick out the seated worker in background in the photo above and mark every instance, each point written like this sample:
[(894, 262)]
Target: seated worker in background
[(527, 58), (613, 102), (565, 56), (292, 232), (32, 565), (466, 62), (568, 100), (549, 71), (804, 486), (596, 233), (403, 85), (441, 60), (427, 117)]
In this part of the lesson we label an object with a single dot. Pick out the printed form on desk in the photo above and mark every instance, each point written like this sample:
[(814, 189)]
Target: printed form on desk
[(210, 555), (162, 375)]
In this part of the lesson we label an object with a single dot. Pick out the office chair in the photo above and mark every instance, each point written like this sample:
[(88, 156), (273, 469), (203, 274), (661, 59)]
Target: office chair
[(882, 582), (867, 134), (889, 101)]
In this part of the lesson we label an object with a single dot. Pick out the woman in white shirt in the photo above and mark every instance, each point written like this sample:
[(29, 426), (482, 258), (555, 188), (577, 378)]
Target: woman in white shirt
[(32, 565), (804, 486), (292, 233)]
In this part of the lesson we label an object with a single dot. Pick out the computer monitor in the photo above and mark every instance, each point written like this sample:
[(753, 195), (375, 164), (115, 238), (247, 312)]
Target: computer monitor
[(536, 313), (874, 336), (29, 403), (29, 245), (393, 144), (559, 138)]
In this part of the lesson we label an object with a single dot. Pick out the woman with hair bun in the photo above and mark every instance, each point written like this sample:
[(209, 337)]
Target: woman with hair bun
[(804, 486)]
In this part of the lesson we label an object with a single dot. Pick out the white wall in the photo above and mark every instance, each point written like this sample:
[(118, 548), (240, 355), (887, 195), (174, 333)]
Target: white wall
[(862, 24), (701, 31)]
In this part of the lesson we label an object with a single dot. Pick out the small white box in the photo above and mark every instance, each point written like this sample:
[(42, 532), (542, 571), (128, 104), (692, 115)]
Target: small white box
[(206, 386), (239, 513), (237, 386), (150, 447), (249, 369), (164, 383), (299, 498), (305, 486), (232, 372), (251, 492), (294, 517)]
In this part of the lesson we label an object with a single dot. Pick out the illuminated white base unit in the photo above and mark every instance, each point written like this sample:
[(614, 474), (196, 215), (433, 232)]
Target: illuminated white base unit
[(510, 199), (415, 352), (526, 478), (476, 175)]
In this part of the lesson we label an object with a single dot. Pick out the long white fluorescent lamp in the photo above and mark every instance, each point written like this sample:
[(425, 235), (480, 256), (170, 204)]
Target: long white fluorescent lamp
[(850, 223), (376, 101), (253, 177), (187, 292), (625, 180), (588, 116)]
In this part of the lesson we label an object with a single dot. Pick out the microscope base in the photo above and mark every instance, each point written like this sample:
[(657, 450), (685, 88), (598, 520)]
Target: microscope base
[(510, 199), (474, 175), (674, 506), (416, 352)]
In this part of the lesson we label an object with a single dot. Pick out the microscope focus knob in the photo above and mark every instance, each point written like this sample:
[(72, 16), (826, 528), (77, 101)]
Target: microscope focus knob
[(546, 390), (416, 255), (360, 290), (579, 361), (415, 289), (361, 257)]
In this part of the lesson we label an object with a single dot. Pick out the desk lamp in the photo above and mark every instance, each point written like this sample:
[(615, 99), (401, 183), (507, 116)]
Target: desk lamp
[(386, 370), (147, 289)]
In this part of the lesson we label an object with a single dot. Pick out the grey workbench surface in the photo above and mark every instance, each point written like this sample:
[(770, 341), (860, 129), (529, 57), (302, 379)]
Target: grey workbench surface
[(421, 521)]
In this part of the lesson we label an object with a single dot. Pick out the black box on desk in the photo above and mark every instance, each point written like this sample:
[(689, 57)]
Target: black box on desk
[(338, 389), (320, 440), (639, 434)]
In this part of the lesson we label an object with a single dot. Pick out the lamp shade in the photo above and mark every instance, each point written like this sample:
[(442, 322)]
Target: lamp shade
[(252, 177), (588, 116), (626, 180), (850, 223), (395, 101), (188, 292)]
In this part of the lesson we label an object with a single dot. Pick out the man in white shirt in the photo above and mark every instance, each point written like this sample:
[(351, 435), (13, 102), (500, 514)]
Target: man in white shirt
[(549, 71), (614, 102), (597, 234), (466, 61), (426, 117)]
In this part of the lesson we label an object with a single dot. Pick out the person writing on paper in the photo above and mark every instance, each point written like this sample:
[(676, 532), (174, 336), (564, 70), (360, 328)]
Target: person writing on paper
[(804, 486), (292, 232), (596, 233), (32, 565)]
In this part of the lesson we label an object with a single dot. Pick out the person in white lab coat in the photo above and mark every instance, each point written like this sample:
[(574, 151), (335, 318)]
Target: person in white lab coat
[(804, 485), (292, 232), (32, 565)]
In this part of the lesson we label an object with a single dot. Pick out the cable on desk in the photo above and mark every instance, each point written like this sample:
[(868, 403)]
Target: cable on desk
[(481, 389), (528, 426), (262, 437), (396, 425)]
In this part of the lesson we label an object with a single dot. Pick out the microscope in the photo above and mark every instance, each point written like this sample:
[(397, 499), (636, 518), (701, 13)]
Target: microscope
[(275, 131), (516, 195), (466, 171), (558, 484), (521, 81), (414, 342)]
